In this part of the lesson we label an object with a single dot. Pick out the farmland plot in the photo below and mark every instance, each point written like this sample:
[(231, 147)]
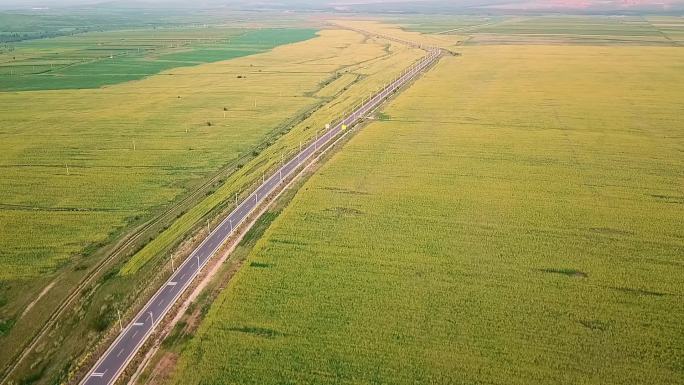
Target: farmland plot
[(514, 219)]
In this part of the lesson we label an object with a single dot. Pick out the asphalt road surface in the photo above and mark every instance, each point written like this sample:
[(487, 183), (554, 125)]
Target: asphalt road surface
[(114, 360)]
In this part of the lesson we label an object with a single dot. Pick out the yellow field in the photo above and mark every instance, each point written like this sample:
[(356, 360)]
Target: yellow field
[(517, 220)]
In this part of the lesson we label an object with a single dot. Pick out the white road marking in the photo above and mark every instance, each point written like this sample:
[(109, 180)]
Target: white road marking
[(138, 324), (172, 283)]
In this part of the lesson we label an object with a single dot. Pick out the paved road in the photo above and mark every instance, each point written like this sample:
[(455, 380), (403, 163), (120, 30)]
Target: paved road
[(114, 360)]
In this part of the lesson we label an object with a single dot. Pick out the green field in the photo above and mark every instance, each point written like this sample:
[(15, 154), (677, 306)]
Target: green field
[(18, 26), (516, 219), (82, 168), (96, 59), (22, 25)]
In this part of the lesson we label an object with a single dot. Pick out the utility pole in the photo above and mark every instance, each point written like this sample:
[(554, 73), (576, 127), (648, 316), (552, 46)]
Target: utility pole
[(173, 268), (208, 230), (236, 199), (67, 168), (120, 323)]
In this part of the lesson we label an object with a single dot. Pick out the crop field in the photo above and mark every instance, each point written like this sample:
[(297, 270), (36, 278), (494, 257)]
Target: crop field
[(18, 26), (95, 59), (85, 143), (369, 61), (82, 167), (515, 218), (446, 24), (395, 31), (671, 27), (584, 30)]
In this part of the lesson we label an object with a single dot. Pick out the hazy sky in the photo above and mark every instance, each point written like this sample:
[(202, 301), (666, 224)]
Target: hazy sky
[(300, 4)]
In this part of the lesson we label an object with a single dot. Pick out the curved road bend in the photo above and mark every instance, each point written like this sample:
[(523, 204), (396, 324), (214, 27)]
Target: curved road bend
[(110, 365)]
